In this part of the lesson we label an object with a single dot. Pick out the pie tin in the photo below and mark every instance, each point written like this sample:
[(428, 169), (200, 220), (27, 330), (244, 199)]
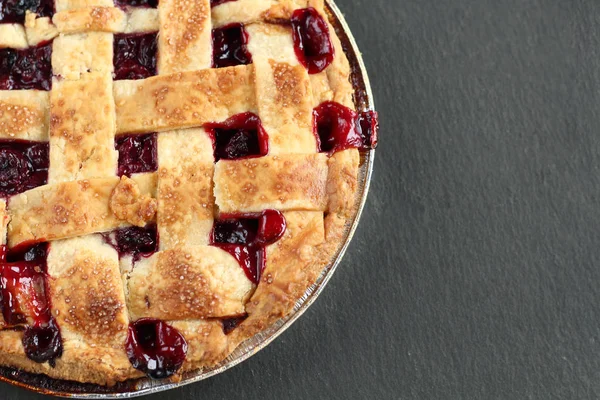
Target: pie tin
[(363, 99)]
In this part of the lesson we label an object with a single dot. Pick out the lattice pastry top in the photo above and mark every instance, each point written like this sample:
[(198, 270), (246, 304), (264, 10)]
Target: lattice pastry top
[(175, 176)]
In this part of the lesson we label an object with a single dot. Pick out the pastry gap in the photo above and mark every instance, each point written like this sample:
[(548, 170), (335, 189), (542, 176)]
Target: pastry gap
[(135, 55), (13, 11), (23, 166), (29, 68)]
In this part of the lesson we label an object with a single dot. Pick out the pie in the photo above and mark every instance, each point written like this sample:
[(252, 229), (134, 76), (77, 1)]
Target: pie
[(174, 176)]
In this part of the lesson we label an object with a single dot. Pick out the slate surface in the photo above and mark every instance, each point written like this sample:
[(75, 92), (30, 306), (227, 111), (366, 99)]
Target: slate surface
[(474, 273)]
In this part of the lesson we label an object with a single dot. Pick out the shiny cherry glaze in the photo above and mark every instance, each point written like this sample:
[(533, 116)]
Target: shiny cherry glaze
[(229, 324), (134, 55), (338, 128), (230, 46), (24, 300), (312, 43), (245, 237), (26, 69), (23, 166), (368, 127), (241, 136), (135, 241), (137, 154), (136, 3), (13, 11), (155, 348), (43, 342)]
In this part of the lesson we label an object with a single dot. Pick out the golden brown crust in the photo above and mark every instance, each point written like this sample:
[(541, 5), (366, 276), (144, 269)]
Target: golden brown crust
[(338, 73), (292, 266), (24, 114), (186, 202), (342, 191), (188, 284), (62, 210), (240, 11), (184, 99), (74, 55), (82, 131), (142, 20), (185, 41), (102, 366), (129, 205), (207, 343), (13, 36), (283, 90), (286, 182), (86, 289), (251, 11), (342, 182), (62, 5), (192, 283), (38, 29), (285, 106), (4, 218), (93, 19)]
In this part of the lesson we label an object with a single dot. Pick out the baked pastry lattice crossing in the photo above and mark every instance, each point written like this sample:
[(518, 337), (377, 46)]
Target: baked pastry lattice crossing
[(175, 175)]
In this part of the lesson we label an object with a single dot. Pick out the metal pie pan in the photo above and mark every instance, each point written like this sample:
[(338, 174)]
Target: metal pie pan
[(363, 99)]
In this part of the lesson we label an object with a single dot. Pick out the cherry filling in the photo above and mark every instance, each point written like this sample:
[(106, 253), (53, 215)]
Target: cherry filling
[(241, 136), (135, 241), (230, 46), (136, 3), (23, 166), (26, 69), (155, 348), (24, 300), (43, 342), (246, 236), (137, 154), (214, 3), (338, 128), (312, 43), (13, 11), (134, 55)]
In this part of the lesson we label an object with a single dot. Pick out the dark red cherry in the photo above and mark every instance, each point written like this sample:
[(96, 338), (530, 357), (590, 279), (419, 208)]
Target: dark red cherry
[(339, 128), (134, 240), (241, 136), (229, 324), (230, 46), (26, 69), (235, 231), (23, 286), (137, 154), (214, 3), (24, 300), (271, 227), (13, 11), (134, 55), (43, 342), (312, 43), (368, 127), (36, 252), (155, 348), (136, 3), (23, 166), (245, 237), (15, 168)]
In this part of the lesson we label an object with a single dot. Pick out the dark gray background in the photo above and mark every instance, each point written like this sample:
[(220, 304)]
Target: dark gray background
[(475, 272)]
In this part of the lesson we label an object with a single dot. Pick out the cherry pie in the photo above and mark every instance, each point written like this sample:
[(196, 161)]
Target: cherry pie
[(174, 175)]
